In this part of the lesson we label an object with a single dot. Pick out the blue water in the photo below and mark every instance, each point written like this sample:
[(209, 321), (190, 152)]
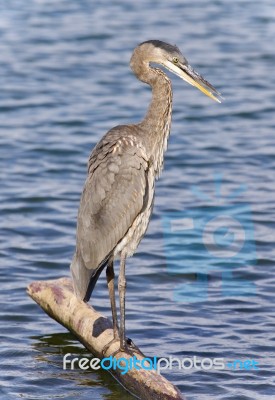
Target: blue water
[(198, 285)]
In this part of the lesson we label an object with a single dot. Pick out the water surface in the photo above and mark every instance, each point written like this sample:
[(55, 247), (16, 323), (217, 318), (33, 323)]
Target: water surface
[(65, 81)]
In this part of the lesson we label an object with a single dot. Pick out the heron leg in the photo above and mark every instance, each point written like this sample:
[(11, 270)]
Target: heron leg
[(125, 344), (121, 291), (111, 286)]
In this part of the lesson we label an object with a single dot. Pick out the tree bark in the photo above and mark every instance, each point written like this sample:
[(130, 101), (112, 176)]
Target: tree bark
[(94, 331)]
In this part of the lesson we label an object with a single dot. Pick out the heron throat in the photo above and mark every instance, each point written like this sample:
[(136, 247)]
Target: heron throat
[(157, 122)]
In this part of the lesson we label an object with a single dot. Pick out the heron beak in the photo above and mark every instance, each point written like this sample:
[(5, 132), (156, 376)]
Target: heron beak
[(188, 74)]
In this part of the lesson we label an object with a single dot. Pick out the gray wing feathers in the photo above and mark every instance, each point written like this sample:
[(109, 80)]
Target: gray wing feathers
[(113, 196)]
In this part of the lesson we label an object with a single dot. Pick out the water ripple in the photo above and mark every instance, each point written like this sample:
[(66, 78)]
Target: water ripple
[(65, 81)]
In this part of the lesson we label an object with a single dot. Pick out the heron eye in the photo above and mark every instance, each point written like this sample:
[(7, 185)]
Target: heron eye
[(175, 60)]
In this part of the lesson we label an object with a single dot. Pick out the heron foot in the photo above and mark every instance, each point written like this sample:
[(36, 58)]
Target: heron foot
[(109, 344), (128, 347)]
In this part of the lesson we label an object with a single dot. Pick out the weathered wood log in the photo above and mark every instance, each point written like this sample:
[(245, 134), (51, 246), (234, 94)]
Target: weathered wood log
[(94, 331)]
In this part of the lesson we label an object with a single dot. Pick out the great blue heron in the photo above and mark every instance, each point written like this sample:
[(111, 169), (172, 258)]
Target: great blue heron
[(117, 198)]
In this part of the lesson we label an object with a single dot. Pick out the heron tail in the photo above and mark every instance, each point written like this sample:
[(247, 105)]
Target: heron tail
[(84, 279)]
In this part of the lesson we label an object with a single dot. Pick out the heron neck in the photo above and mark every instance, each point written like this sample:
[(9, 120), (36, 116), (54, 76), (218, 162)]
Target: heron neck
[(157, 122)]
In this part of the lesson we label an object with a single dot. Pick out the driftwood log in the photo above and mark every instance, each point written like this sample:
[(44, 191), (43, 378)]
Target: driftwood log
[(95, 331)]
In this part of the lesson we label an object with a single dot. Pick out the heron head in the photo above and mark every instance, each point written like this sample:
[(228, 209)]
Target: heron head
[(171, 58)]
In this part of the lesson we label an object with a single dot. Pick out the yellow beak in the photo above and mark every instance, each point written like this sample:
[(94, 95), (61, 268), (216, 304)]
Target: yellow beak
[(188, 74)]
